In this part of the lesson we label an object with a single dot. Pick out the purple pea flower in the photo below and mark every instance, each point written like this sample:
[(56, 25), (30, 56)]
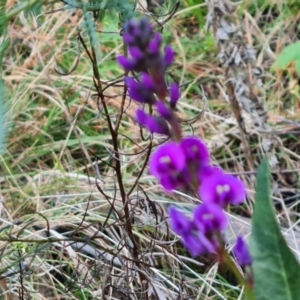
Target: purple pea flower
[(174, 94), (198, 244), (241, 253), (169, 56), (153, 124), (126, 63), (195, 242), (155, 44), (207, 170), (164, 111), (209, 218), (141, 91), (222, 189), (195, 151), (168, 165), (175, 180), (198, 235), (179, 222), (166, 159)]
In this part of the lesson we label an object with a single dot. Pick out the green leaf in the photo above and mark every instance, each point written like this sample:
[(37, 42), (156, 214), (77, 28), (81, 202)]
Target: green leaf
[(290, 54), (276, 270), (3, 21), (5, 102), (5, 123)]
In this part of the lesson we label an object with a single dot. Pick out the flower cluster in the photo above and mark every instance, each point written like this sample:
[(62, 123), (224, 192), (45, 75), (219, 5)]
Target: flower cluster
[(198, 234), (176, 164), (182, 162), (150, 87), (173, 163)]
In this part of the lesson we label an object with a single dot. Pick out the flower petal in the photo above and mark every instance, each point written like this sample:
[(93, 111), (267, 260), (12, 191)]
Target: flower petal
[(138, 92), (206, 171), (210, 217), (166, 159), (192, 243), (155, 44), (241, 252), (135, 53), (163, 110), (169, 55), (179, 222), (126, 63), (195, 151), (222, 189), (174, 94), (153, 124)]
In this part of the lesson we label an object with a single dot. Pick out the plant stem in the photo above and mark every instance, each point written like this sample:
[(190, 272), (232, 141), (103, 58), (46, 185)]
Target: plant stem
[(232, 266)]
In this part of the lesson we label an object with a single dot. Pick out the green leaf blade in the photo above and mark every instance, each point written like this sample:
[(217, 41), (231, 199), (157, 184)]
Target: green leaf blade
[(290, 54), (276, 270)]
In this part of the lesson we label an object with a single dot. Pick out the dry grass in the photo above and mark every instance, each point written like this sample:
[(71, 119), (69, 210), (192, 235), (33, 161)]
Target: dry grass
[(74, 244)]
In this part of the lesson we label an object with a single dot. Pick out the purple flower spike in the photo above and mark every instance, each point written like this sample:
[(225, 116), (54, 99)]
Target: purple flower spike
[(139, 92), (241, 253), (179, 222), (169, 55), (138, 32), (210, 217), (167, 160), (195, 151), (222, 189), (174, 94), (153, 124), (126, 63)]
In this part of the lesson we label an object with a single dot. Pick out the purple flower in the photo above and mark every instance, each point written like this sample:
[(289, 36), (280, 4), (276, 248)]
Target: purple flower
[(209, 218), (163, 110), (175, 180), (166, 159), (148, 82), (168, 165), (169, 56), (153, 124), (144, 47), (126, 63), (195, 151), (241, 253), (174, 94), (138, 32), (197, 244), (179, 222), (222, 189), (140, 91), (195, 240), (135, 53), (207, 170), (155, 43)]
